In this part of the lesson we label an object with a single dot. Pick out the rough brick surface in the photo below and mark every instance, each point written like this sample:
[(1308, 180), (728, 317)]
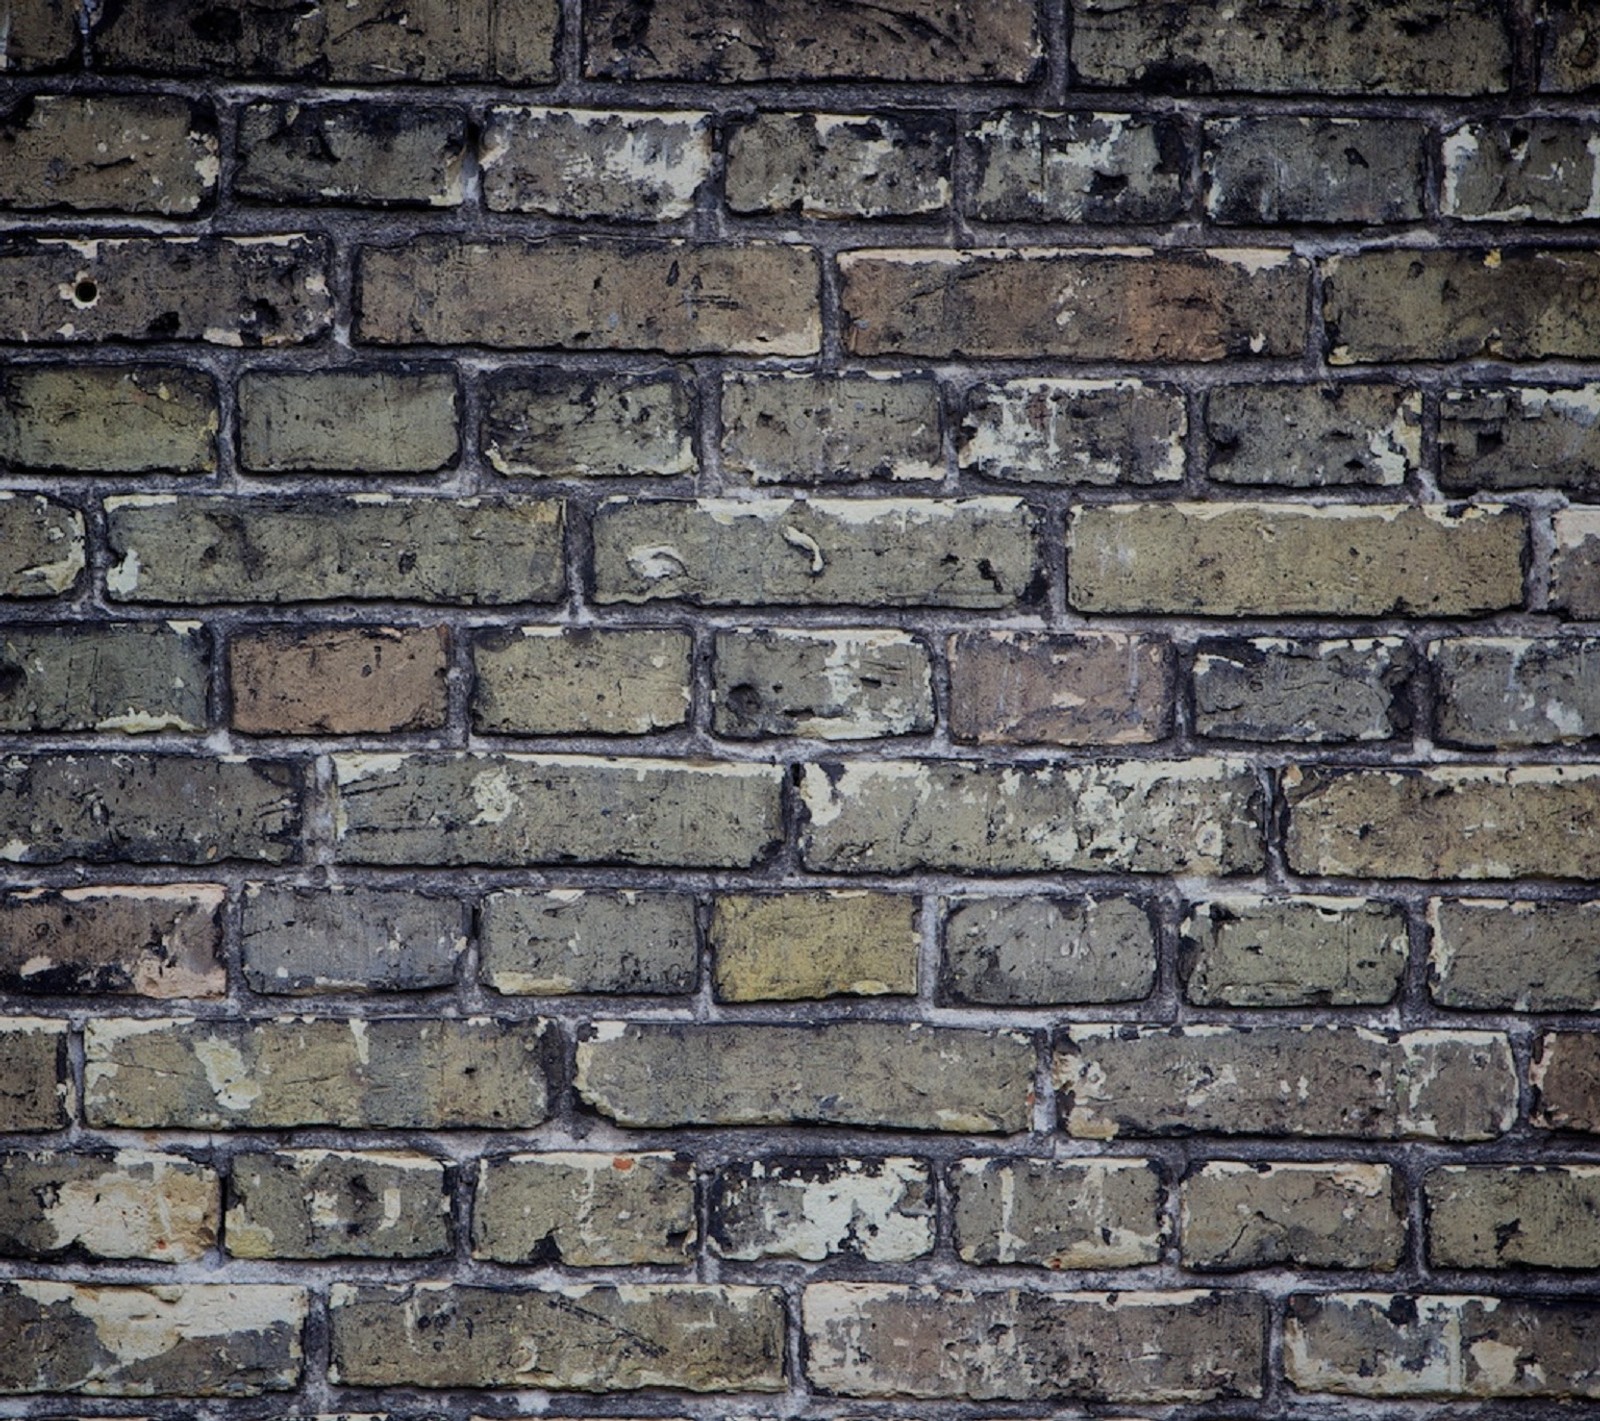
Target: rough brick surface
[(133, 678), (569, 940), (545, 681), (356, 422), (1505, 953), (785, 946), (1322, 692), (880, 1210), (1313, 436), (41, 546), (1058, 1214), (1520, 437)]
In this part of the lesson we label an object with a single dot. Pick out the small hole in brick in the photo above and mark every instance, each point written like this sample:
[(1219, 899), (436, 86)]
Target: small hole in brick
[(86, 292)]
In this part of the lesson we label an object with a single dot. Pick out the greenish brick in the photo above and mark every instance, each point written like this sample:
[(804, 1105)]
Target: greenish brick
[(553, 423), (1313, 436), (1059, 1213), (794, 946), (41, 546), (1496, 954), (37, 1072), (135, 678), (587, 940), (1511, 1216), (878, 1210), (355, 421)]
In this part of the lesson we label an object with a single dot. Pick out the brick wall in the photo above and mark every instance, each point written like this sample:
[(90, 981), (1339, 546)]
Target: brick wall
[(809, 709)]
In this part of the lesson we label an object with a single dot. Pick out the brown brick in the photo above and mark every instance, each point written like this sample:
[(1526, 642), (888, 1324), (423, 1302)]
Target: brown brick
[(1521, 437), (1520, 170), (551, 423), (1322, 692), (40, 34), (131, 677), (41, 546), (347, 421), (1058, 1213), (587, 940), (1566, 1081), (1507, 1216), (1313, 436), (789, 946), (36, 1070), (1574, 564), (880, 1210), (1515, 955)]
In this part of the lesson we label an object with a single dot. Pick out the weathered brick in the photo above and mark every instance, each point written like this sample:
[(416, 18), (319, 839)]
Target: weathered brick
[(1449, 304), (336, 1204), (794, 946), (523, 809), (1293, 952), (1574, 562), (1048, 951), (347, 421), (1508, 1216), (959, 552), (35, 1075), (378, 1073), (1279, 170), (880, 1210), (155, 940), (831, 685), (1569, 61), (1566, 1081), (633, 166), (1520, 437), (41, 546), (591, 293), (585, 940), (553, 423), (366, 154), (1257, 1215), (357, 41), (108, 419), (1134, 1346), (871, 1073), (297, 941), (148, 809), (1521, 170), (1100, 432), (1346, 47), (122, 1204), (734, 41), (40, 34), (1433, 1345), (1131, 304), (1009, 688), (580, 681), (1324, 692), (1450, 821), (323, 548), (840, 165), (822, 429), (1284, 559), (1277, 1080), (586, 1337), (1313, 436), (1147, 816), (1058, 1213), (237, 291), (134, 677), (1078, 167), (178, 1339), (585, 1210), (1512, 954), (1508, 691)]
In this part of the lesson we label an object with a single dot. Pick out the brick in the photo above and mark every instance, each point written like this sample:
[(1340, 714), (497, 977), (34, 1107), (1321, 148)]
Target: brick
[(590, 293), (1569, 55), (297, 941), (1439, 304), (794, 946), (1028, 688), (633, 166), (122, 1204), (1036, 1345), (1320, 170), (735, 41), (41, 546), (1313, 436), (551, 423), (1058, 1213), (879, 1210), (229, 291), (1451, 821), (148, 809), (962, 552), (338, 681), (658, 1075), (586, 940), (1244, 559), (367, 154), (108, 419), (1521, 170), (1498, 1216), (829, 685), (827, 429), (1509, 954), (136, 677), (1324, 692), (176, 1339), (355, 421), (1278, 1080), (821, 165), (1047, 951), (1520, 437), (40, 34), (1566, 1081), (1078, 167), (514, 810), (353, 1073), (365, 42), (1257, 1215), (155, 940), (1131, 304), (1347, 47), (1097, 432), (580, 681), (1293, 952), (336, 1204), (1512, 691), (585, 1210), (587, 1337), (1574, 562), (1147, 816), (1433, 1345), (319, 548), (37, 1091)]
